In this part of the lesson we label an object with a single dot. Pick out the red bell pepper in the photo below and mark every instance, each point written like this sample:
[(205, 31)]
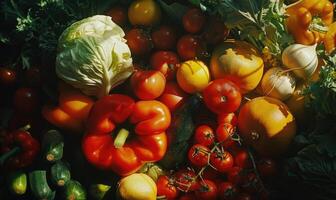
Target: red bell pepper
[(19, 149), (108, 145)]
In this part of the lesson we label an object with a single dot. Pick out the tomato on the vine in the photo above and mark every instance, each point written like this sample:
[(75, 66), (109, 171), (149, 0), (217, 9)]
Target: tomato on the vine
[(190, 47), (186, 180), (148, 85), (139, 42), (166, 187), (230, 118), (224, 132), (164, 37), (207, 190), (172, 96), (26, 100), (193, 20), (242, 159), (204, 135), (227, 191), (7, 76), (222, 161), (267, 167), (198, 155), (222, 96), (235, 175), (166, 62), (118, 15)]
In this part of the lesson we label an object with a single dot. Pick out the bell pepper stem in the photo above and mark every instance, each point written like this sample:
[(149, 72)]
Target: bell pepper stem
[(121, 137), (9, 154)]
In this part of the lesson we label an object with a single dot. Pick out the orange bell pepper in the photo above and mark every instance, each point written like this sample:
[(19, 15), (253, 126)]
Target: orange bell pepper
[(330, 39), (72, 111), (308, 20)]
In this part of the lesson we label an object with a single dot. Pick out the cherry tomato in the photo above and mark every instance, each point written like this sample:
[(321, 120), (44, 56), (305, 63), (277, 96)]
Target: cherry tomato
[(250, 183), (164, 38), (243, 196), (267, 167), (204, 135), (215, 31), (26, 100), (138, 41), (166, 62), (165, 187), (7, 77), (144, 12), (198, 155), (33, 77), (189, 47), (235, 175), (118, 15), (172, 96), (242, 159), (224, 132), (185, 180), (207, 190), (148, 85), (188, 196), (230, 118), (222, 96), (222, 161), (227, 191), (211, 174), (193, 20)]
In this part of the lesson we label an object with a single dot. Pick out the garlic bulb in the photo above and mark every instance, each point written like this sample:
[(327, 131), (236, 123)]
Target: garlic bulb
[(278, 83), (302, 59)]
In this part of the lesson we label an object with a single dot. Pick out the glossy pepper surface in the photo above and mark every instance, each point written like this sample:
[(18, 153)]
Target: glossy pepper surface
[(308, 20), (109, 142)]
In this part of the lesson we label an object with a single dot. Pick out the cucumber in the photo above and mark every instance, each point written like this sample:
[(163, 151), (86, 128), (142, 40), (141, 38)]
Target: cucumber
[(98, 191), (39, 185), (60, 173), (73, 190), (17, 182), (52, 145)]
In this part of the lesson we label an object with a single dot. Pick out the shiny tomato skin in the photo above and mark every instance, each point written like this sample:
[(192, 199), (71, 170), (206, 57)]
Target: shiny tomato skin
[(227, 191), (148, 85), (235, 175), (164, 38), (242, 159), (139, 42), (224, 132), (204, 135), (118, 15), (189, 47), (193, 20), (222, 161), (230, 118), (207, 190), (26, 100), (172, 96), (165, 187), (166, 62), (185, 180), (222, 96), (267, 167), (198, 155), (7, 77)]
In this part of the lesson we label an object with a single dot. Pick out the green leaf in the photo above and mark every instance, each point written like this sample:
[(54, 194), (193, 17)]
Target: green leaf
[(174, 11)]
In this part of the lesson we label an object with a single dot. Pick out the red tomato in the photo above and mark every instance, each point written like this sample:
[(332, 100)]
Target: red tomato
[(193, 20), (242, 159), (207, 190), (189, 47), (164, 38), (230, 118), (243, 196), (166, 62), (118, 15), (148, 85), (204, 135), (138, 41), (235, 175), (165, 187), (211, 174), (222, 161), (222, 96), (267, 167), (185, 180), (198, 155), (224, 132), (188, 196), (26, 100), (227, 191), (215, 31), (172, 96), (7, 77)]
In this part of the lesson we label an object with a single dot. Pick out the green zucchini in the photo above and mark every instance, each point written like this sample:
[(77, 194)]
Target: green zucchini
[(39, 185), (98, 191), (17, 182), (52, 145), (60, 173), (74, 191)]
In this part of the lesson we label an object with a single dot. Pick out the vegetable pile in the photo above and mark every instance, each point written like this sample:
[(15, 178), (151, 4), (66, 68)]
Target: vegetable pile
[(154, 99)]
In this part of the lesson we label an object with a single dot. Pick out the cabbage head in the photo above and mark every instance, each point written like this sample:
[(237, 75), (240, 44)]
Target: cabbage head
[(93, 56)]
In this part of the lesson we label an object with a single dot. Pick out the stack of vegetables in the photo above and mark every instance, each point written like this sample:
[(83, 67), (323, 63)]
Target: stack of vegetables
[(150, 99)]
